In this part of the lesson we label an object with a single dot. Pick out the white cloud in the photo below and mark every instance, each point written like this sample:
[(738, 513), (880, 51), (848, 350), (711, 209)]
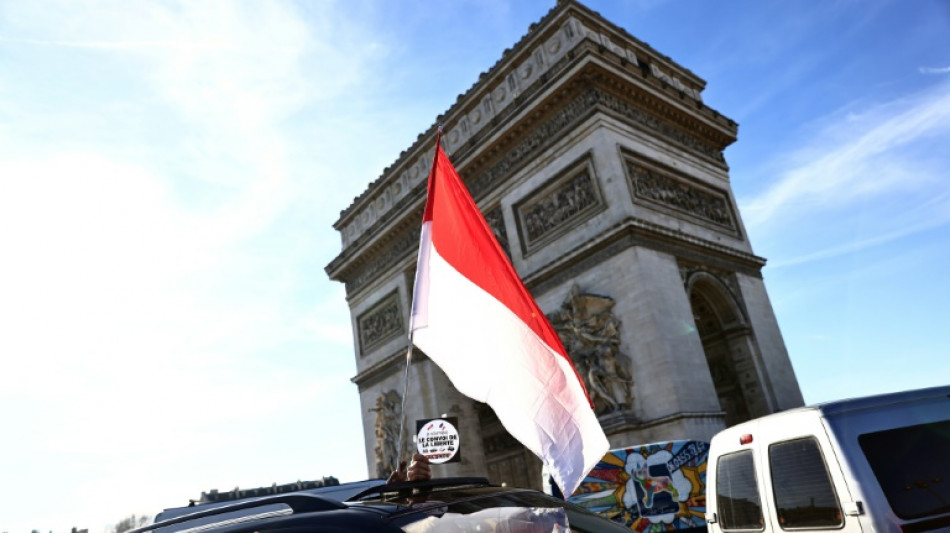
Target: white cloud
[(844, 162), (934, 70), (879, 168), (933, 214)]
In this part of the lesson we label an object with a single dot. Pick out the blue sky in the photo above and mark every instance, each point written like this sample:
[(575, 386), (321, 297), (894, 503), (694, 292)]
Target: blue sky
[(169, 175)]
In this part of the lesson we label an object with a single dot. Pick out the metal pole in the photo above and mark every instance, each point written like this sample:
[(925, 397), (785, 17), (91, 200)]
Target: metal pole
[(405, 394)]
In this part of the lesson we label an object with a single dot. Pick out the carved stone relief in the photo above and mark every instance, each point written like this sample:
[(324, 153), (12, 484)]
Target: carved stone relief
[(591, 335), (678, 193), (388, 417), (558, 206), (382, 322), (571, 198), (496, 221)]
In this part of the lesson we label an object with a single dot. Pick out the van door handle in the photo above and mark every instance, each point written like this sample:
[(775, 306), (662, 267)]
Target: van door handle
[(712, 518), (853, 508)]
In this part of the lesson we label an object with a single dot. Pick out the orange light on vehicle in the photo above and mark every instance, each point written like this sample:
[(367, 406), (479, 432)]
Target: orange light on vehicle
[(745, 439)]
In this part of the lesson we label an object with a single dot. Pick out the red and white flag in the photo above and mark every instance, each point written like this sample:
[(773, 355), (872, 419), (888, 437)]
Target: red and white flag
[(473, 316)]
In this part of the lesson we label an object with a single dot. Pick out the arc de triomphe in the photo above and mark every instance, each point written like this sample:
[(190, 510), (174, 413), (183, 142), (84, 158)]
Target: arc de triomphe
[(602, 173)]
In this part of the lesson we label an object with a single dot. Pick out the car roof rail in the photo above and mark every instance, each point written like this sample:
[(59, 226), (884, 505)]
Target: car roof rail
[(298, 503), (405, 488)]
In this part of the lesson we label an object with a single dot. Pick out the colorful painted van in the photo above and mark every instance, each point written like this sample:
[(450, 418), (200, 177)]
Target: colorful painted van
[(650, 488)]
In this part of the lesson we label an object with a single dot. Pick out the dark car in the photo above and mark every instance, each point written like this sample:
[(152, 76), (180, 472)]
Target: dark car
[(438, 505)]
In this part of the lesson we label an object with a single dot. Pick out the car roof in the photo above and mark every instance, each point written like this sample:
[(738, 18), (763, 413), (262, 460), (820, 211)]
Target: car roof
[(380, 508), (836, 407), (370, 498), (341, 492), (878, 400)]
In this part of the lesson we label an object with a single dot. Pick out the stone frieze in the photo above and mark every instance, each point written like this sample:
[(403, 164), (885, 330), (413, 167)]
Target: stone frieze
[(568, 199), (381, 323), (651, 183), (559, 206)]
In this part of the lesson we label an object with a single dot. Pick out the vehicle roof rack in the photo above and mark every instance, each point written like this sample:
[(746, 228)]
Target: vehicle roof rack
[(407, 488), (298, 503)]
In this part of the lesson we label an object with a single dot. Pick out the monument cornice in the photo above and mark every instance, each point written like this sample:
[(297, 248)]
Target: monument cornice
[(660, 103), (566, 35), (591, 88), (380, 251)]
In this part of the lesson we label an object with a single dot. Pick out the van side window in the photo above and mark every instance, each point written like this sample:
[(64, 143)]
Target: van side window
[(737, 494), (804, 495), (913, 467)]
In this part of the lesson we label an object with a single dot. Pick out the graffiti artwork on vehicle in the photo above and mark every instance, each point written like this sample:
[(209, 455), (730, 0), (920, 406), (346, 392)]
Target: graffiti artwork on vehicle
[(651, 488)]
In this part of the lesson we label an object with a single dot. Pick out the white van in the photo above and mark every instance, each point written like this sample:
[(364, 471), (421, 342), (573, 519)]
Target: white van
[(879, 464)]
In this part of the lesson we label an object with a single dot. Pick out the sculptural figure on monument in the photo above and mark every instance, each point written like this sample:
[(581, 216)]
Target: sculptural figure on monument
[(388, 412), (591, 335), (619, 380), (598, 384)]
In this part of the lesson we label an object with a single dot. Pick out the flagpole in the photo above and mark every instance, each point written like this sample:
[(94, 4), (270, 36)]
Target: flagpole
[(405, 390), (405, 393)]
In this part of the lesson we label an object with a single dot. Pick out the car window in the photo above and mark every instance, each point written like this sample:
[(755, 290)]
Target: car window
[(804, 495), (912, 466), (737, 496)]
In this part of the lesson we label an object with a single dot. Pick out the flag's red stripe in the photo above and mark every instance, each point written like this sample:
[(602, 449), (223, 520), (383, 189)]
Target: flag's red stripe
[(465, 240)]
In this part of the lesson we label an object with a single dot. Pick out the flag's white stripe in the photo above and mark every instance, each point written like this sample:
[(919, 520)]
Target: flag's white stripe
[(492, 356), (419, 317)]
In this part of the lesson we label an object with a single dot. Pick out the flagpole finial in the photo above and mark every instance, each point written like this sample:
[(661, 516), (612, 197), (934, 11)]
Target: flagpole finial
[(438, 139)]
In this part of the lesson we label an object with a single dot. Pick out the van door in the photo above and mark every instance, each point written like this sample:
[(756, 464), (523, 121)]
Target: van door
[(805, 489), (736, 501)]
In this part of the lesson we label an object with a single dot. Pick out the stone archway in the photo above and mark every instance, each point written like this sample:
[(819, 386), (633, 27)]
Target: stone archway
[(729, 348)]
